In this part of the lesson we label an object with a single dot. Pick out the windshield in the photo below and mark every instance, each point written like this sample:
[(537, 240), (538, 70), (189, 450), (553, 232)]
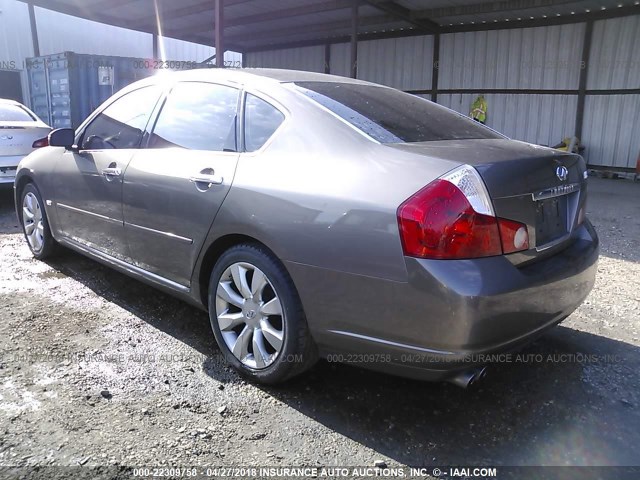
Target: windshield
[(14, 113), (392, 116)]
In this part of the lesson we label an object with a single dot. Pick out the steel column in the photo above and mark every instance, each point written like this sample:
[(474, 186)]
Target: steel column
[(155, 46), (584, 72), (435, 68), (354, 39), (34, 30), (219, 33), (327, 58)]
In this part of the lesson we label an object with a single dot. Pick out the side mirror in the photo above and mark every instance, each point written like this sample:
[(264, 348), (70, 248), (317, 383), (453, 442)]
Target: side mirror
[(62, 137)]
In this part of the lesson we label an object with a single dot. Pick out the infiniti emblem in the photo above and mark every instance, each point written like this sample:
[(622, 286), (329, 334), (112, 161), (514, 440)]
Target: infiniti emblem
[(6, 137), (562, 173)]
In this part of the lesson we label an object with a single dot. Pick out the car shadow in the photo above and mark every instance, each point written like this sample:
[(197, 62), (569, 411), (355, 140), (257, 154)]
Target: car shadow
[(570, 398), (170, 315), (8, 219), (185, 322)]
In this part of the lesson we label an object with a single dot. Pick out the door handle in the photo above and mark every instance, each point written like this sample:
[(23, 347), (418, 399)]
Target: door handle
[(206, 177)]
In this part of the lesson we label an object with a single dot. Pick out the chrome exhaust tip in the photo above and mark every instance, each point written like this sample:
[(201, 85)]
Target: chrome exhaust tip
[(468, 377)]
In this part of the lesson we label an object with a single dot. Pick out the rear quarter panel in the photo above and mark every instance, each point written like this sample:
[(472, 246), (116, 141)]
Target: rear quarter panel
[(323, 198), (322, 194)]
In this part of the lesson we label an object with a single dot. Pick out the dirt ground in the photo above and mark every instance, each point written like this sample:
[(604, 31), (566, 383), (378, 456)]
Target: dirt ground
[(99, 369)]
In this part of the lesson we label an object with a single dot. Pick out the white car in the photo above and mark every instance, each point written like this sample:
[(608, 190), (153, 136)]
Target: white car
[(21, 132)]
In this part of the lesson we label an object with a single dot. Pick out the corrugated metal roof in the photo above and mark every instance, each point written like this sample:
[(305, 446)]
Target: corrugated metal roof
[(260, 24), (461, 12)]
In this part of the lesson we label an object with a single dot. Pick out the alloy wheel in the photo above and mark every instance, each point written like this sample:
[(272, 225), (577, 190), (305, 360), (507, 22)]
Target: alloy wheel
[(250, 316), (33, 222)]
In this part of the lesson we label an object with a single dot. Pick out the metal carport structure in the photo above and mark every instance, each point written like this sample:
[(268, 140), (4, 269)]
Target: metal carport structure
[(339, 28)]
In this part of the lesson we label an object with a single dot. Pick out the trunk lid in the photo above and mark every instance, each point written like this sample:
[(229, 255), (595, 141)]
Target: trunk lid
[(16, 138), (538, 186)]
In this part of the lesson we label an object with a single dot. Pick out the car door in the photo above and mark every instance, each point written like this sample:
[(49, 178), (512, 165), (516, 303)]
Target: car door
[(174, 187), (88, 181)]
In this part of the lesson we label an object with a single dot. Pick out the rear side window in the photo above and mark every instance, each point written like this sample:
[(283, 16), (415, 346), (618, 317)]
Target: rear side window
[(197, 116), (14, 113), (121, 124), (261, 120), (391, 116)]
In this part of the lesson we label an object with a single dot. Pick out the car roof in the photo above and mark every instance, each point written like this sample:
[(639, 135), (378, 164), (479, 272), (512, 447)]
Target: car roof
[(10, 101), (288, 76), (259, 75)]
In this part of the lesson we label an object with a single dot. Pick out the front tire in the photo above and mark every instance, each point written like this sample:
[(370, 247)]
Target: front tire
[(257, 317), (35, 224)]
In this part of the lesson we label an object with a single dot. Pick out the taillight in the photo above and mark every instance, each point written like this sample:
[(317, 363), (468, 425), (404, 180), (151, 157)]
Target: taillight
[(514, 235), (453, 218), (42, 142)]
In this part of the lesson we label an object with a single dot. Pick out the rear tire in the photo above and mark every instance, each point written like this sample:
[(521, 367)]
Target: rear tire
[(35, 223), (257, 317)]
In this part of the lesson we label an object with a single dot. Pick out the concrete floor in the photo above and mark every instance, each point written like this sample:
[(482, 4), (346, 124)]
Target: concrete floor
[(580, 411)]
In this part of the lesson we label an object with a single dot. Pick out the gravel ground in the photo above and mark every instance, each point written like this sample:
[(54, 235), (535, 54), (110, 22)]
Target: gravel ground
[(98, 369)]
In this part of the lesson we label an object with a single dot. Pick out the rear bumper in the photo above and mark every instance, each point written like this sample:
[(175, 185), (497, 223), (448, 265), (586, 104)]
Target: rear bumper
[(7, 177), (452, 315), (8, 168)]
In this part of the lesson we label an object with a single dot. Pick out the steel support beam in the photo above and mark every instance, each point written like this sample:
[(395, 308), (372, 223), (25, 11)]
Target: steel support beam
[(327, 58), (354, 39), (435, 68), (326, 30), (106, 4), (424, 24), (198, 8), (283, 43), (219, 33), (287, 13), (68, 9), (546, 22), (334, 35), (500, 6), (291, 12), (34, 30), (155, 46), (584, 72)]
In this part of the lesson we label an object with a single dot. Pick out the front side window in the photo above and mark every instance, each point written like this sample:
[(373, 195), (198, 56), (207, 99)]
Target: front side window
[(14, 113), (122, 124), (261, 120), (392, 116), (197, 116)]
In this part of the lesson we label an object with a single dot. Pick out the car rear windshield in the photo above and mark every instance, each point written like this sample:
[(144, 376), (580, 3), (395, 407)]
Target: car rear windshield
[(392, 116), (14, 113)]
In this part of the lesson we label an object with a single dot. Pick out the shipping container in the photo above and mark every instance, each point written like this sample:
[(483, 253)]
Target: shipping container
[(66, 87)]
